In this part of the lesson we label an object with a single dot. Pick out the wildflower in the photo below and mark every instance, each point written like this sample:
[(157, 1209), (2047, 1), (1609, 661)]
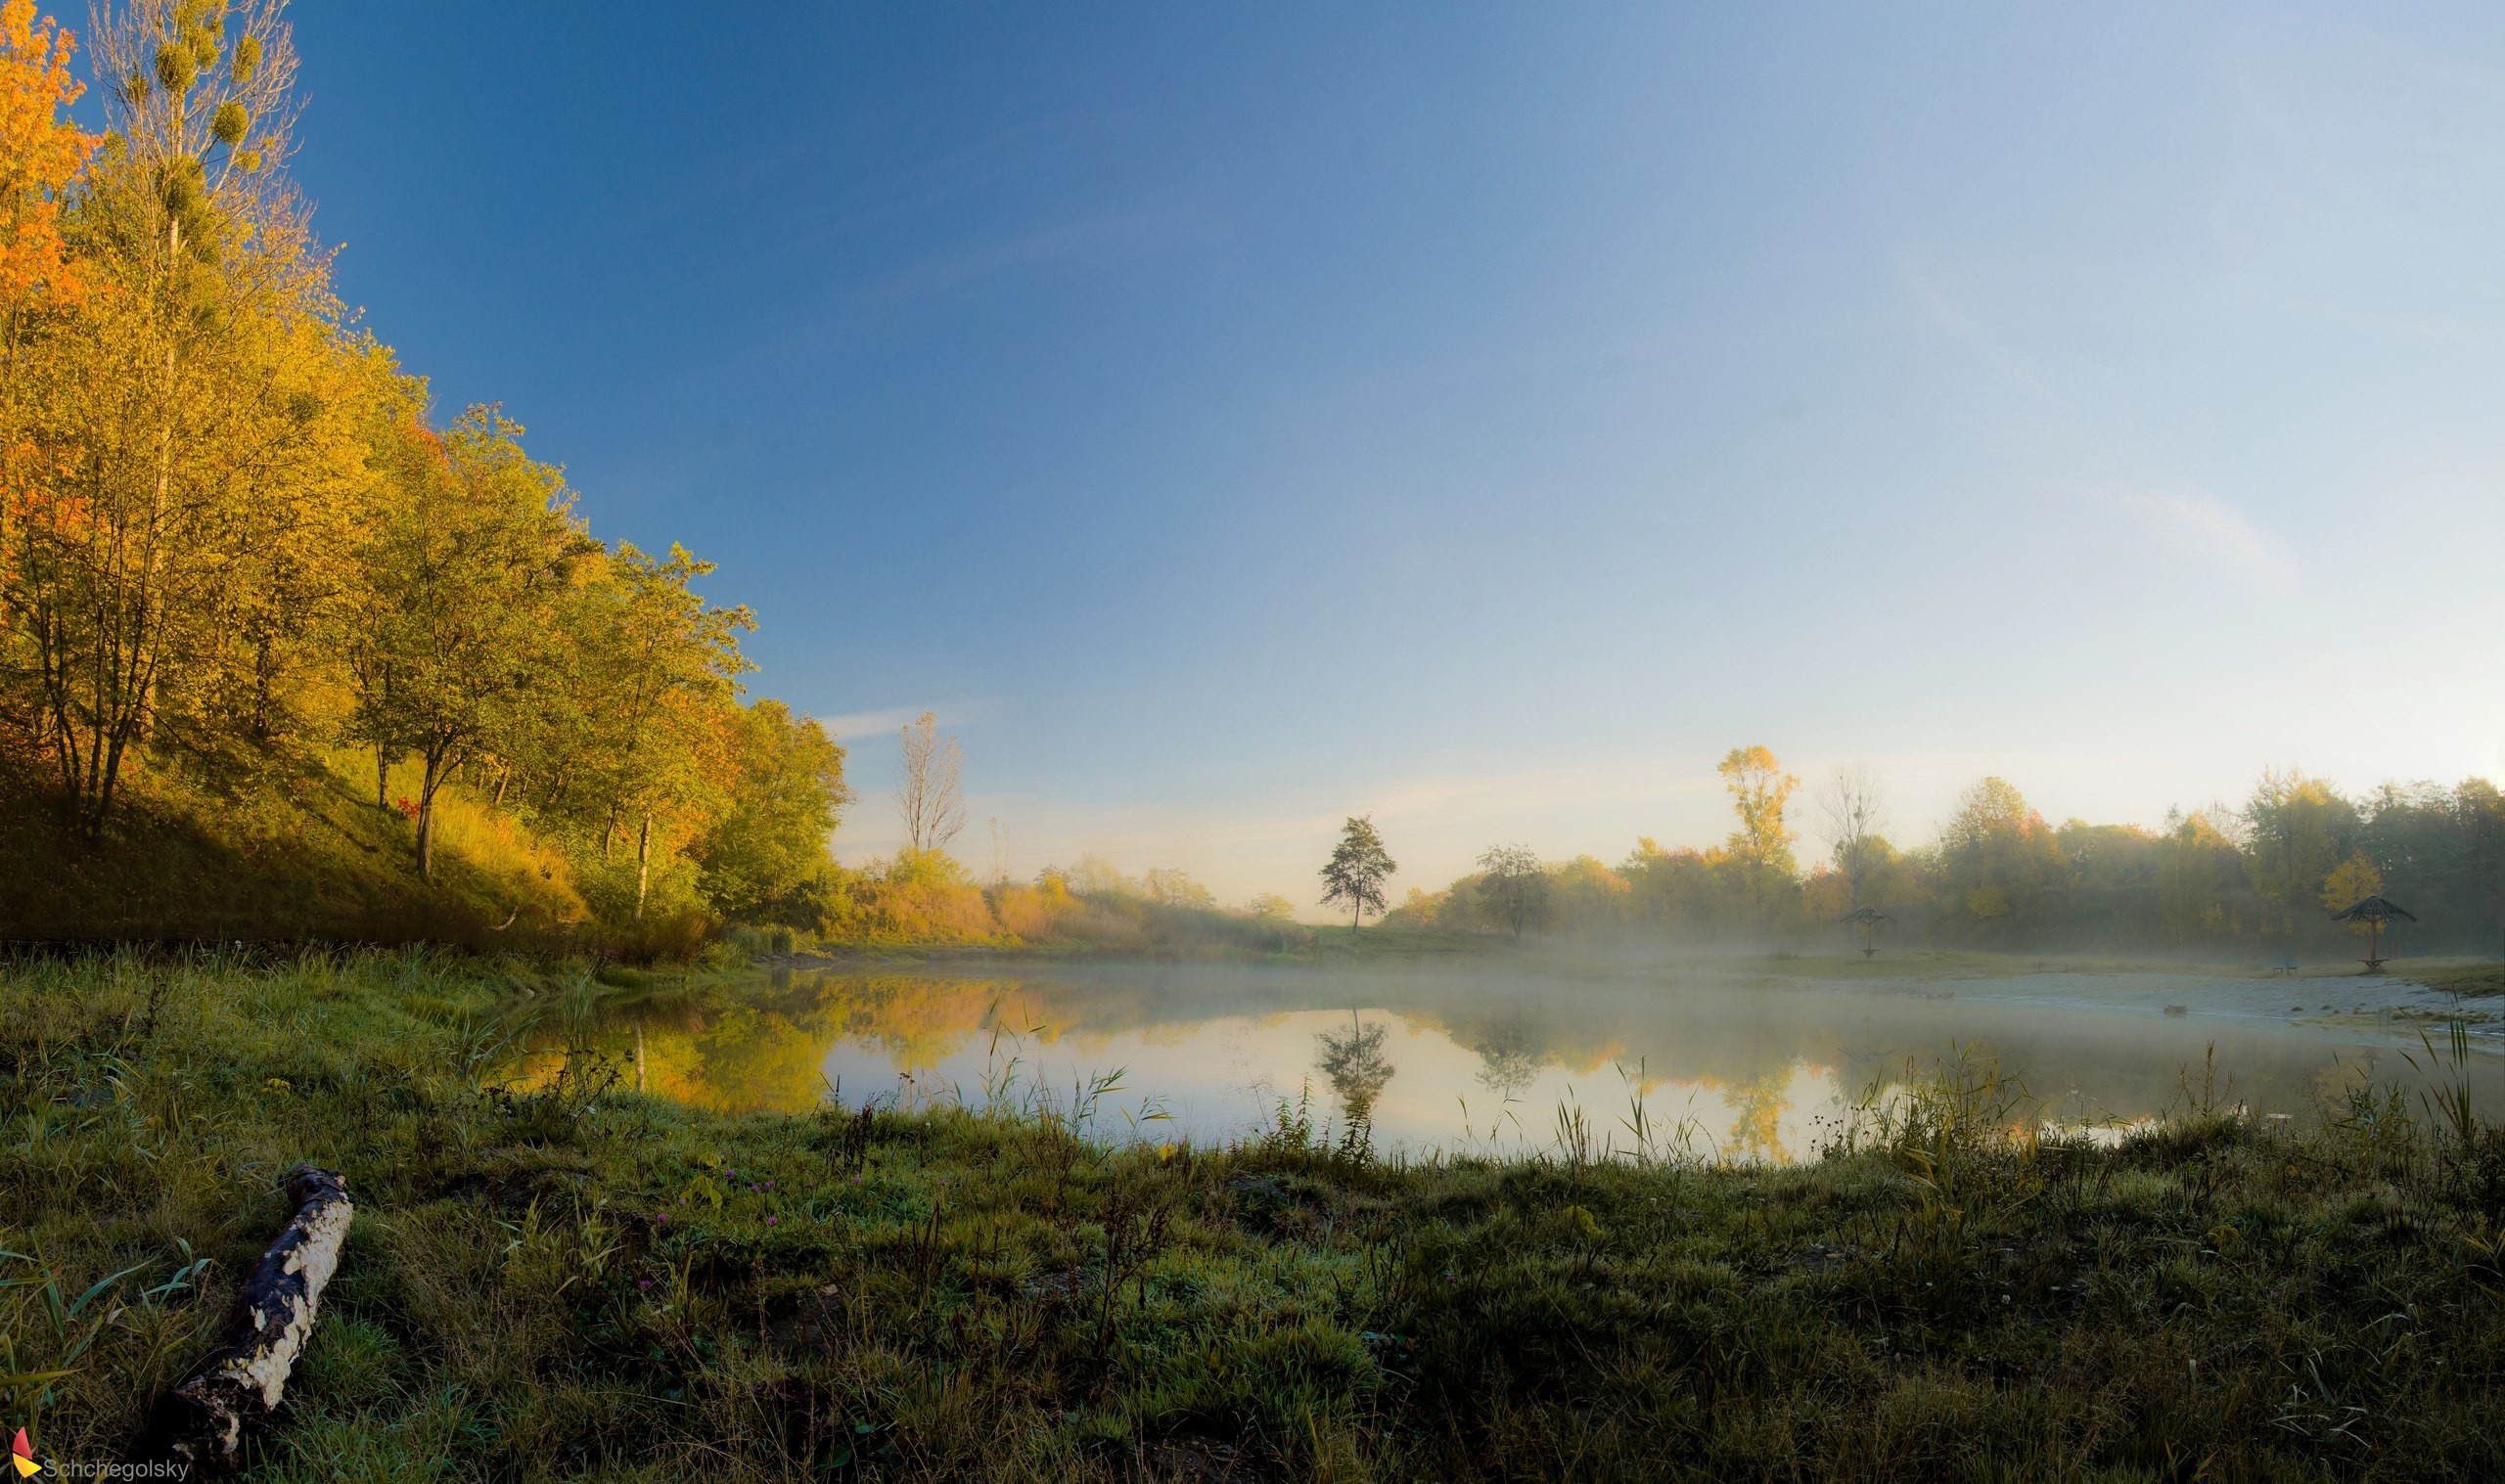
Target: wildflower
[(643, 1283), (771, 1220)]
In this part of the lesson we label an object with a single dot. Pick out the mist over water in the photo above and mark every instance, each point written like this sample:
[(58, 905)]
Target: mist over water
[(1726, 1060)]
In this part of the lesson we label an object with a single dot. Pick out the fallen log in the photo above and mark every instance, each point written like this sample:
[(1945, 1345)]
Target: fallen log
[(244, 1376)]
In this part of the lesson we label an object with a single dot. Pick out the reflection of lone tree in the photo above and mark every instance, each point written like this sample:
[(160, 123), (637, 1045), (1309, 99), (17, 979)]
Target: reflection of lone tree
[(1867, 919), (1357, 869), (2374, 913), (927, 793), (1354, 1064), (1515, 894)]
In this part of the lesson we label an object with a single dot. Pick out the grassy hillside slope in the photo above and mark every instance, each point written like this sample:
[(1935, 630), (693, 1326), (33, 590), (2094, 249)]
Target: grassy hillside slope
[(298, 851)]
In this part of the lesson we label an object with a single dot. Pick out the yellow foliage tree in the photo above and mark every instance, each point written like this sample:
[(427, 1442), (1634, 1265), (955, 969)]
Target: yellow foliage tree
[(40, 155), (2351, 882), (1761, 849)]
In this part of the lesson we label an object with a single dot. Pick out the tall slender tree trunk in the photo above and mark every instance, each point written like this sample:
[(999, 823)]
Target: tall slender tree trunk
[(381, 776), (427, 782), (151, 592), (643, 862)]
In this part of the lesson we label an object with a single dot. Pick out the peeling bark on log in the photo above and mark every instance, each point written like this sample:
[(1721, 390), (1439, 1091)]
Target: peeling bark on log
[(243, 1377)]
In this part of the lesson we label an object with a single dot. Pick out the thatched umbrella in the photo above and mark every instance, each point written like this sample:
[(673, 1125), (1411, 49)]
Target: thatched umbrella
[(1867, 919), (2374, 911)]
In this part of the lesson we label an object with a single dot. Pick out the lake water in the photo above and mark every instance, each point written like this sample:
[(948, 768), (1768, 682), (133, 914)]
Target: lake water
[(1750, 1063)]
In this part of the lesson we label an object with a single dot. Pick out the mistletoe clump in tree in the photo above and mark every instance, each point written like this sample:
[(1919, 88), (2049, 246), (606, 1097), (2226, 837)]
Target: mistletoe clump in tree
[(1357, 869)]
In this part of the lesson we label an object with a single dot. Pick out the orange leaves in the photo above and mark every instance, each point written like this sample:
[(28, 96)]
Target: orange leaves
[(41, 154)]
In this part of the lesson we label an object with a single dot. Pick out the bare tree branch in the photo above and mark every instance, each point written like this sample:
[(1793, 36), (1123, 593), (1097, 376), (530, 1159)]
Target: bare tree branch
[(1855, 814), (928, 796)]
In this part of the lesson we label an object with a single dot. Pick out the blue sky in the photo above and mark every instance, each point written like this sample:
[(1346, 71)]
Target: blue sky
[(1232, 418)]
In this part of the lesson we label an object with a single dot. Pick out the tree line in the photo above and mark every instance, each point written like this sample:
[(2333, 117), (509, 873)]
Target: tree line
[(236, 538), (2260, 878)]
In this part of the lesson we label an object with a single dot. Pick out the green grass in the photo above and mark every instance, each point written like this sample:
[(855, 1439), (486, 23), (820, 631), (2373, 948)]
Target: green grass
[(552, 1278), (2460, 977)]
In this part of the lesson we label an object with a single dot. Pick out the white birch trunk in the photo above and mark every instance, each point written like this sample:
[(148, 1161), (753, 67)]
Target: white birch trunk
[(244, 1377)]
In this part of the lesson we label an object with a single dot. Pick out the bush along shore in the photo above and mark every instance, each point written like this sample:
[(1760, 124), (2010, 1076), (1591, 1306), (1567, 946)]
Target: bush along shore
[(549, 1276)]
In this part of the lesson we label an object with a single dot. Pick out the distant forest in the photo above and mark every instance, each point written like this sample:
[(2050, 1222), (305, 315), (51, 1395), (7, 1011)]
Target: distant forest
[(2262, 879)]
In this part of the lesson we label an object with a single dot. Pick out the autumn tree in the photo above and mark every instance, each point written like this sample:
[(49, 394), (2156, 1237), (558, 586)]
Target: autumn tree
[(1999, 856), (185, 452), (2349, 883), (930, 798), (666, 665), (2199, 871), (467, 553), (1513, 890), (202, 95), (1761, 847), (41, 154), (769, 843), (2295, 830), (1172, 886), (228, 530), (1357, 869)]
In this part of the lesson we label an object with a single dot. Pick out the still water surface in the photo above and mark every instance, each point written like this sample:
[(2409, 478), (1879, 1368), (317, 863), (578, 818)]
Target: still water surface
[(1753, 1064)]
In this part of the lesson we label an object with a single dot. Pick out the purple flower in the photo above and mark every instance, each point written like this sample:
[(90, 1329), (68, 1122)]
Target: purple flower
[(643, 1283), (771, 1220)]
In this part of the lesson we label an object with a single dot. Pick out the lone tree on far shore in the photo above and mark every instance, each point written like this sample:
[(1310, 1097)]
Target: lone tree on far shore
[(1357, 869)]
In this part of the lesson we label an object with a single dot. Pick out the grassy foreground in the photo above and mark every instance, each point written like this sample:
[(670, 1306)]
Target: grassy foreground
[(573, 1281)]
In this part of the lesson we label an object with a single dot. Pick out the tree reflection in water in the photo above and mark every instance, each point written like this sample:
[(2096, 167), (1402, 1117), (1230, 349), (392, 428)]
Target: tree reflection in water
[(1356, 1068), (1508, 1060), (1759, 1102)]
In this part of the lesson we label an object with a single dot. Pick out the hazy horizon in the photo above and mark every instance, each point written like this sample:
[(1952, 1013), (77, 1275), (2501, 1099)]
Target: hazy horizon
[(1482, 419)]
